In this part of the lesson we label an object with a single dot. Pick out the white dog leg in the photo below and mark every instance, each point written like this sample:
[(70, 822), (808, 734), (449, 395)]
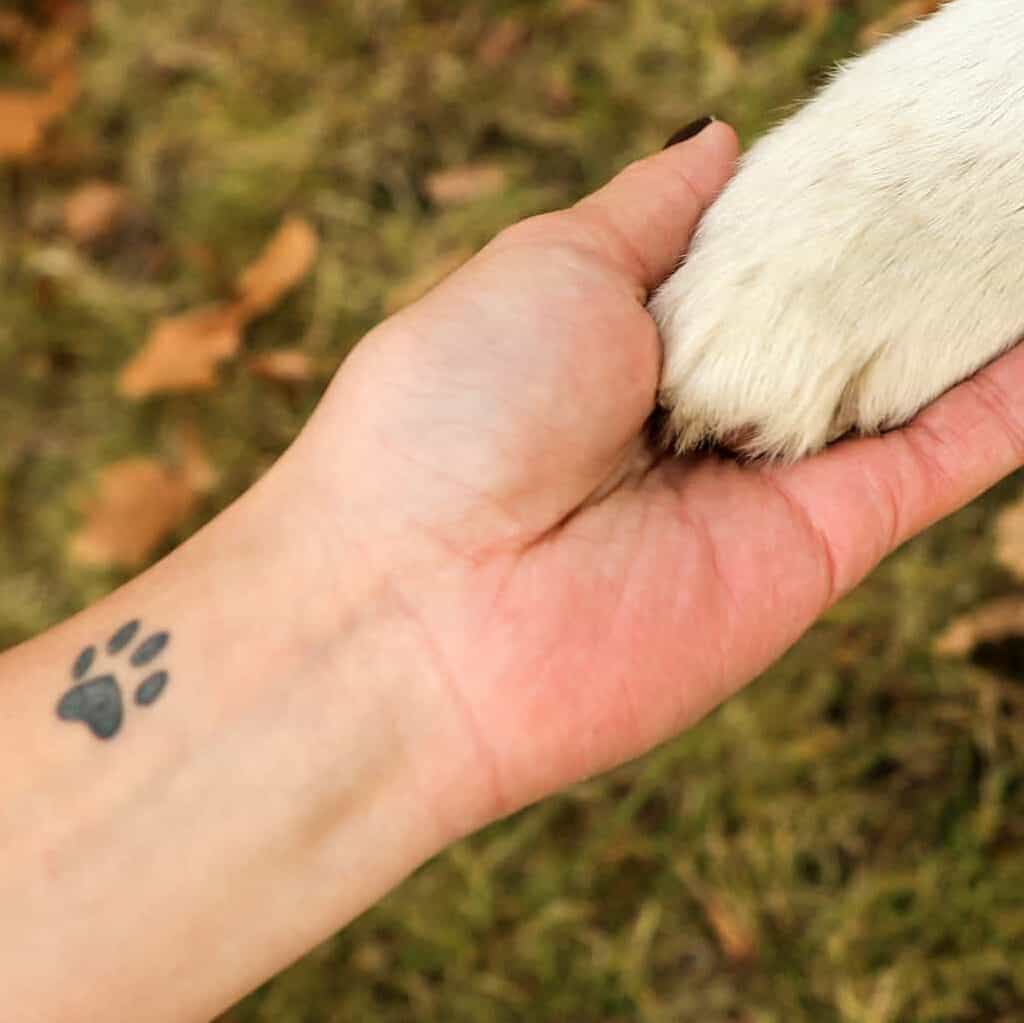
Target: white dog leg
[(868, 255)]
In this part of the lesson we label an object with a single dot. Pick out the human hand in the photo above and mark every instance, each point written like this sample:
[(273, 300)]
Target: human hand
[(560, 635), (444, 602)]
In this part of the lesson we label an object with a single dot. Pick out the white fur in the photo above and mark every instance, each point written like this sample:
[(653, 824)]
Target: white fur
[(869, 254)]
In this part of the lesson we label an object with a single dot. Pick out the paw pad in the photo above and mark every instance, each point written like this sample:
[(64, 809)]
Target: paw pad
[(96, 699)]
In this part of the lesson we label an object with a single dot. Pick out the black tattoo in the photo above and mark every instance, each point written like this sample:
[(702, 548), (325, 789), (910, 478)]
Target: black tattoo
[(149, 649), (122, 637), (83, 662), (97, 701), (149, 690)]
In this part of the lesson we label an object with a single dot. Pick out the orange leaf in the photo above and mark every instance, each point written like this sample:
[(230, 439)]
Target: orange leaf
[(560, 94), (139, 504), (44, 50), (183, 352), (502, 42), (735, 937), (14, 29), (93, 210), (286, 365), (288, 257), (577, 7), (25, 115), (196, 467), (467, 183)]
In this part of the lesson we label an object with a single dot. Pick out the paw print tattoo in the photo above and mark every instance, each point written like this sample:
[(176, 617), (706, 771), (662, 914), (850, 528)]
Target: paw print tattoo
[(96, 700)]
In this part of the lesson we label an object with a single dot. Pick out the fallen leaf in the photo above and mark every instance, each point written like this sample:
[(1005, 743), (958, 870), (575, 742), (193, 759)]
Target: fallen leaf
[(139, 503), (60, 13), (286, 260), (182, 352), (989, 623), (560, 94), (735, 937), (26, 115), (44, 49), (426, 278), (902, 16), (93, 210), (466, 183), (195, 465), (285, 365), (15, 30), (576, 7), (48, 52), (1010, 539), (502, 41)]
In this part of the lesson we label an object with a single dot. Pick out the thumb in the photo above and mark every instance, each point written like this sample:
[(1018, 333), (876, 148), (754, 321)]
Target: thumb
[(647, 214)]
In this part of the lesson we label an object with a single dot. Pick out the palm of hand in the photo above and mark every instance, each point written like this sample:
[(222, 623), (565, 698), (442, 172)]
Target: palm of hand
[(573, 635)]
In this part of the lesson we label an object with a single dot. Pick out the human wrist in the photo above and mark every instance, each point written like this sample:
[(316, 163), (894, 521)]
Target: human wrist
[(415, 584), (339, 651), (278, 761)]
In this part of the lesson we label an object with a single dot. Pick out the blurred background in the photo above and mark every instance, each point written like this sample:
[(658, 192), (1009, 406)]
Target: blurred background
[(203, 206)]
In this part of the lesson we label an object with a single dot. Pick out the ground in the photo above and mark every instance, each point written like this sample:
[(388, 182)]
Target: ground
[(843, 842)]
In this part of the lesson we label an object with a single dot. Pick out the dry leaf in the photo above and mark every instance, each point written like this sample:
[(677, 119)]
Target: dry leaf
[(285, 365), (47, 50), (504, 40), (426, 278), (15, 30), (26, 115), (989, 623), (736, 939), (196, 467), (139, 504), (93, 210), (576, 7), (288, 257), (903, 15), (1010, 539), (183, 352), (467, 183), (560, 94)]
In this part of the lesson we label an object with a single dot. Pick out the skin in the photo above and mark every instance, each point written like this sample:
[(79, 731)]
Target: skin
[(455, 594)]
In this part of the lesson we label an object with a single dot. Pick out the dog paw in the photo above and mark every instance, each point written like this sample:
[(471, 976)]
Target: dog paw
[(96, 699), (868, 255)]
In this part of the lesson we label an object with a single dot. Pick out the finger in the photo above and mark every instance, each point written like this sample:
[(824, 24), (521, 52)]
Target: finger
[(866, 497), (644, 217)]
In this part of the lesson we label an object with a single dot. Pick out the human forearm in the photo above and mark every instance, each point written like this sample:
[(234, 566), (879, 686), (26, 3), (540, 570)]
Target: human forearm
[(259, 803)]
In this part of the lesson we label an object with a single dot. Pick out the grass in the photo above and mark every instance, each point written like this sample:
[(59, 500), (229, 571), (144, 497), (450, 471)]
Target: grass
[(845, 841)]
